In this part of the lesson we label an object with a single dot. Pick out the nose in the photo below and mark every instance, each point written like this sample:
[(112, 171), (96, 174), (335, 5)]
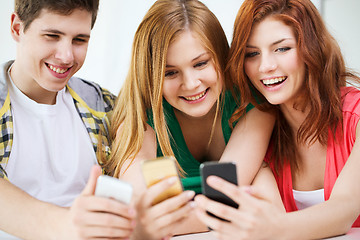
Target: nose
[(65, 52), (267, 64), (190, 80)]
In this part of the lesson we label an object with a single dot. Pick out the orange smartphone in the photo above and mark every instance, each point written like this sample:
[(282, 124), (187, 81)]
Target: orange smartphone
[(155, 170)]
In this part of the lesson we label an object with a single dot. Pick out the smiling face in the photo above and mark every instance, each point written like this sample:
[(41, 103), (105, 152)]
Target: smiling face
[(49, 52), (272, 62), (192, 84)]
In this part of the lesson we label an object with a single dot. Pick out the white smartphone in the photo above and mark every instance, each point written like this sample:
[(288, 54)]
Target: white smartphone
[(117, 189)]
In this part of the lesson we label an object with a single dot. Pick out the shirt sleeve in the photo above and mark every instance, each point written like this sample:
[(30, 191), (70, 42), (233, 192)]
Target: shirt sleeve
[(2, 173)]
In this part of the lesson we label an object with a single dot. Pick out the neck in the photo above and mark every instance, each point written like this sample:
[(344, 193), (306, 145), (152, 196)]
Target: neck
[(293, 116), (31, 88), (182, 117)]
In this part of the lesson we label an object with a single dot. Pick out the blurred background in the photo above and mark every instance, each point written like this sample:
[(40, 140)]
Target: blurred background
[(111, 39)]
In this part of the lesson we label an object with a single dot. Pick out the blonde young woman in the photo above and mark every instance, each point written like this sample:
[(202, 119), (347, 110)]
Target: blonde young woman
[(175, 103), (282, 49)]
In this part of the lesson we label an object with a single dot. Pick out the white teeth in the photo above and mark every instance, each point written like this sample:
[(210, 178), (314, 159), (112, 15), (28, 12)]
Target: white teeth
[(58, 70), (195, 97), (273, 80)]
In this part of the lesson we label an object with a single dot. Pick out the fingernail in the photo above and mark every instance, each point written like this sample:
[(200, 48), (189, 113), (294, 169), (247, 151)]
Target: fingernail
[(211, 179), (190, 194), (247, 189), (132, 212), (133, 223), (172, 180), (192, 204)]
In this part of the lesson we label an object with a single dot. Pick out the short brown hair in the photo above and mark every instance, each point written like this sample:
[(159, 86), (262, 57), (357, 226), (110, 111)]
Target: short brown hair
[(28, 10)]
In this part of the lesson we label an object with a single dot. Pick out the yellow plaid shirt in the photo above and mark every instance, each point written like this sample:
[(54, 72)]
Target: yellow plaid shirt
[(92, 102)]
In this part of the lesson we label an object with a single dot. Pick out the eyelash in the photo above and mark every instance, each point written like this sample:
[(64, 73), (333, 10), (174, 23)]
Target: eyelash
[(281, 50), (200, 64), (251, 54), (197, 65), (170, 73), (80, 40), (55, 37)]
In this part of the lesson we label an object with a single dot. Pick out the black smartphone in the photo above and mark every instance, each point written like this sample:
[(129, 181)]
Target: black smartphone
[(225, 170)]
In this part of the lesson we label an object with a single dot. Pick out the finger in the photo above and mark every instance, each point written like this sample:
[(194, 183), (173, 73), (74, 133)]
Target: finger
[(254, 191), (104, 232), (229, 235), (83, 216), (250, 198), (245, 216), (166, 225), (242, 220), (223, 228), (160, 222), (89, 189), (216, 208), (109, 220), (155, 190), (171, 204), (175, 216), (167, 237), (237, 217), (242, 195), (210, 221), (106, 205), (229, 189)]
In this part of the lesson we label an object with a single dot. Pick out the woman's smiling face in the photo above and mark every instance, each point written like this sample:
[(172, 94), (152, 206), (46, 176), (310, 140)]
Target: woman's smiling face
[(192, 85), (272, 62)]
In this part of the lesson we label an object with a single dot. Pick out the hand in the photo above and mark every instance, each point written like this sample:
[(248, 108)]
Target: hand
[(256, 217), (97, 217), (155, 222)]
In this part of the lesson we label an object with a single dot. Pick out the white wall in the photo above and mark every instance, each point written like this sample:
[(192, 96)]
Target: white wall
[(110, 45), (343, 20)]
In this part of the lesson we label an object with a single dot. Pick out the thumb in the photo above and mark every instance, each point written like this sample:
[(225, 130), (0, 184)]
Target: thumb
[(95, 172), (255, 191)]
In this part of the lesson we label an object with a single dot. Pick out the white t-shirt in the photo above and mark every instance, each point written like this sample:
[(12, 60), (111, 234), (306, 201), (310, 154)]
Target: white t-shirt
[(52, 153), (304, 199)]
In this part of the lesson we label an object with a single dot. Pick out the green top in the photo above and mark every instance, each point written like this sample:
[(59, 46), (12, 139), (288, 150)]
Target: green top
[(189, 164)]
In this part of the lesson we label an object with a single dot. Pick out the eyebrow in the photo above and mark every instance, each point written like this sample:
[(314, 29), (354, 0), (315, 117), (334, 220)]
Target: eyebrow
[(194, 59), (274, 43), (54, 31)]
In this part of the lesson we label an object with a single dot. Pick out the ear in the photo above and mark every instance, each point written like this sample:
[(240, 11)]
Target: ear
[(15, 27)]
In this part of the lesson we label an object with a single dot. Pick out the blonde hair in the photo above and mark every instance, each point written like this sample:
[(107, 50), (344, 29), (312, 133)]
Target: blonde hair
[(143, 87)]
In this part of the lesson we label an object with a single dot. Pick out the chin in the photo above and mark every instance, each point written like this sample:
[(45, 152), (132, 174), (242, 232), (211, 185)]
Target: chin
[(55, 88), (275, 102)]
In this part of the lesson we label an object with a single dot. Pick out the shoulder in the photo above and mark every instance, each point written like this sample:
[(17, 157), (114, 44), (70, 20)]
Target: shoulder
[(4, 75), (351, 112), (229, 104), (350, 100), (3, 85), (92, 94)]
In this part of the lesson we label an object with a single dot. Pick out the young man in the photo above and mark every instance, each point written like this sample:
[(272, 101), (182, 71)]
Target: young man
[(50, 125)]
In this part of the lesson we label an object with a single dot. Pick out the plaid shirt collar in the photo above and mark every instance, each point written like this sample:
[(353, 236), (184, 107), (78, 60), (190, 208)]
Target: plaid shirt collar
[(96, 122)]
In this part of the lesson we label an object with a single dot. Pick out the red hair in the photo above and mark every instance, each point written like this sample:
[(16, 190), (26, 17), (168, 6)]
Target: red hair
[(325, 73)]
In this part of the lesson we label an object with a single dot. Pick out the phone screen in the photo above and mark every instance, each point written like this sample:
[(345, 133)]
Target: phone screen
[(225, 170), (158, 169)]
